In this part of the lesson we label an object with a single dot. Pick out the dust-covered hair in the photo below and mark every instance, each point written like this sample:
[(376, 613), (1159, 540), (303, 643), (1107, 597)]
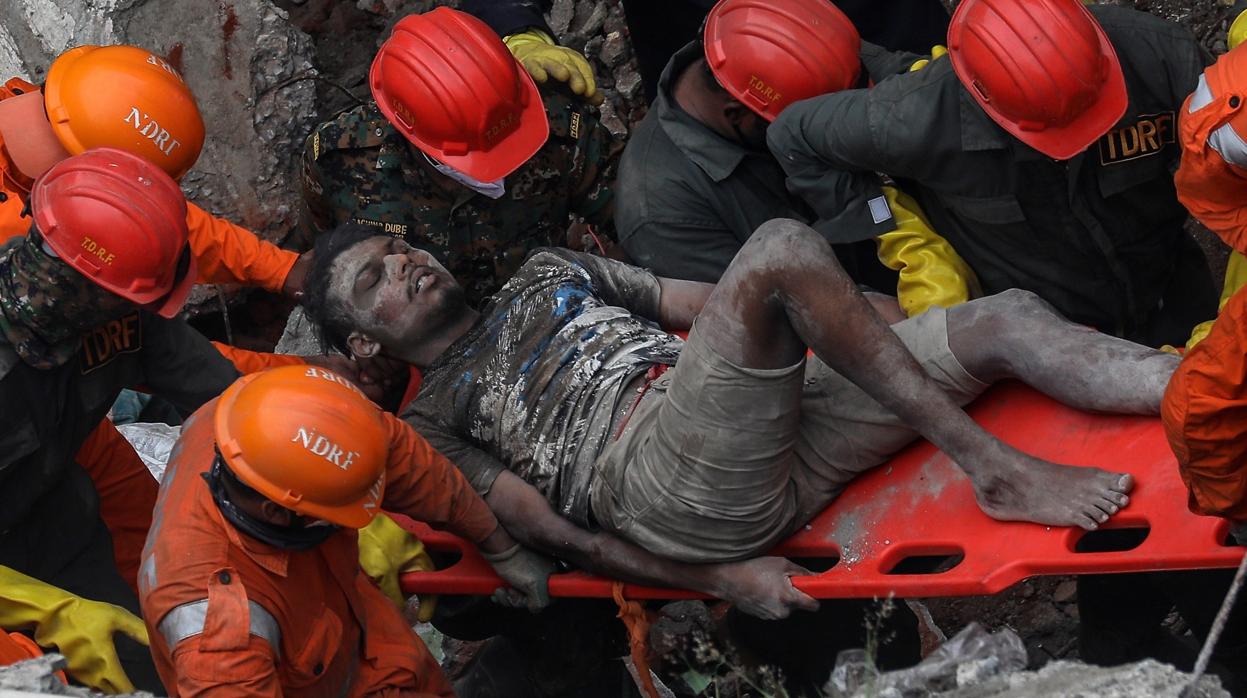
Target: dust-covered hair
[(329, 315)]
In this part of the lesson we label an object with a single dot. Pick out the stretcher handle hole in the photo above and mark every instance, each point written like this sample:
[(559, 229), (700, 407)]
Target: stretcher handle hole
[(445, 558), (1224, 535), (817, 565), (924, 561), (1112, 540)]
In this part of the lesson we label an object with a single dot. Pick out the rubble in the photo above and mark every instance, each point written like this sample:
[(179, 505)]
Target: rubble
[(978, 664), (37, 677)]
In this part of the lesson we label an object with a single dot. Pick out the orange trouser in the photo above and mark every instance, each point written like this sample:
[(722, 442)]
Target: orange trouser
[(127, 493)]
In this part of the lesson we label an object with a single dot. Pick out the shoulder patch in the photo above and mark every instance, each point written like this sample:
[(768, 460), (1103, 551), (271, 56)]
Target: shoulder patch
[(565, 117), (1147, 135), (362, 127), (108, 341)]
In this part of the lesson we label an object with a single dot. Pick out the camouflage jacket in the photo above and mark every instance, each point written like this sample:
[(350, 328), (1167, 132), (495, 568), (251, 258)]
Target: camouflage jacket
[(357, 167)]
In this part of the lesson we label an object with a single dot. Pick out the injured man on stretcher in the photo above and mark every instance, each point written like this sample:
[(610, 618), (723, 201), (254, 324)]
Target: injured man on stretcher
[(552, 401)]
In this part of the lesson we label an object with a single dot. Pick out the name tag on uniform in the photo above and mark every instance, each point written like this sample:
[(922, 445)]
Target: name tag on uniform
[(1146, 136), (106, 342), (398, 230)]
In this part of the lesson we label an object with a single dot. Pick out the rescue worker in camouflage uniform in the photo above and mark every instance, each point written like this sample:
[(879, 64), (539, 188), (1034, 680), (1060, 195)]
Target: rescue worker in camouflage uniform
[(466, 159), (87, 299)]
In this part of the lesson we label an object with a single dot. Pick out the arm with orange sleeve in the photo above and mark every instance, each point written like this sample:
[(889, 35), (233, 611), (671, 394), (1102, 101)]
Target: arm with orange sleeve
[(248, 671), (255, 361), (386, 550), (228, 253), (1205, 416), (423, 484), (229, 648)]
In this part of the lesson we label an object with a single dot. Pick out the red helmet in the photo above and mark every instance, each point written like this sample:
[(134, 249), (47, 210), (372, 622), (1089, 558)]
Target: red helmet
[(449, 84), (771, 53), (120, 221), (1042, 69)]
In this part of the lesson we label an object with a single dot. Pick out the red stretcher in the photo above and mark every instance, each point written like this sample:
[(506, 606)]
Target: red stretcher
[(894, 524)]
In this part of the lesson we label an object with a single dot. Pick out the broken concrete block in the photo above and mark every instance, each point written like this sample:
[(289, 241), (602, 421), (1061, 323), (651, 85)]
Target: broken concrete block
[(614, 49), (560, 15), (250, 70), (37, 677)]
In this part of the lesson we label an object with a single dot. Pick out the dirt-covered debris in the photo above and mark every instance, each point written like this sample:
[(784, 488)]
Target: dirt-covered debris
[(38, 676)]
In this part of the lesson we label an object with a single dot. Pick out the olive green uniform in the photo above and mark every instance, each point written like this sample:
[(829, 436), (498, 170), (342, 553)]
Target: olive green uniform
[(359, 168)]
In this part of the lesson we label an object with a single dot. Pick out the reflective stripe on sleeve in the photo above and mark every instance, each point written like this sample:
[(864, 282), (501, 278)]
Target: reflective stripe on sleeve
[(188, 620), (1201, 96), (1225, 140)]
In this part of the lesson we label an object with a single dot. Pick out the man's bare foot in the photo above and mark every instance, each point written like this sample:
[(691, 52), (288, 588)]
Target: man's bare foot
[(1018, 487)]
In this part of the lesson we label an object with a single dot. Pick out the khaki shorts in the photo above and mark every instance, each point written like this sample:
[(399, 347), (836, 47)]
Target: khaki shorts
[(720, 462)]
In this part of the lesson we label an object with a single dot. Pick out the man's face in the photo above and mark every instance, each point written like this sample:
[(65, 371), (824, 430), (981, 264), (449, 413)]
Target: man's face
[(395, 293)]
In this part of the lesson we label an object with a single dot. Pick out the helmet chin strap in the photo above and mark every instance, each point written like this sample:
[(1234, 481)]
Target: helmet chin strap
[(290, 538)]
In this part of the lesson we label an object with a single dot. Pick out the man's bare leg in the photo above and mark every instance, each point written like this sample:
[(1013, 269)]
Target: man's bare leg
[(1016, 334), (785, 292)]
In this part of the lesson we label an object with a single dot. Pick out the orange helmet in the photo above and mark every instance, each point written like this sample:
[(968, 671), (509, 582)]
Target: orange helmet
[(105, 96), (120, 221), (771, 53), (307, 439), (448, 83), (1042, 69)]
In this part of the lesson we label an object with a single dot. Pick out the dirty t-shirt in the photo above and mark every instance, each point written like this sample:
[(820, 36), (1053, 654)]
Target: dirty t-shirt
[(534, 386)]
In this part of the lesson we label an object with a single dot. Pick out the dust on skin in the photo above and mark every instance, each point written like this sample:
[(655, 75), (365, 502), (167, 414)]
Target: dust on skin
[(548, 359)]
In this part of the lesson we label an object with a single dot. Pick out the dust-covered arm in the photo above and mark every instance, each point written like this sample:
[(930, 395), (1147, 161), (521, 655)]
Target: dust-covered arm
[(759, 587)]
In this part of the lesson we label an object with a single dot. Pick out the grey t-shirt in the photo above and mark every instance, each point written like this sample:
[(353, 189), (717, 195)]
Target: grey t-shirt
[(533, 386)]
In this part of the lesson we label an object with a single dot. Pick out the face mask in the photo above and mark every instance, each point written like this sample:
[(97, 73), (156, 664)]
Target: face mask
[(291, 538), (493, 190), (45, 305)]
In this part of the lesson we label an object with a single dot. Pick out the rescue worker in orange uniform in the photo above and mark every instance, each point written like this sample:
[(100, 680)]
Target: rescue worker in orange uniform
[(250, 584), (129, 98), (1203, 407)]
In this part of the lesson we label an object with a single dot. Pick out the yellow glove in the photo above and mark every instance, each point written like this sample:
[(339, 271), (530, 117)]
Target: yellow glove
[(544, 59), (936, 52), (386, 551), (932, 273), (1238, 30), (1235, 278), (80, 629)]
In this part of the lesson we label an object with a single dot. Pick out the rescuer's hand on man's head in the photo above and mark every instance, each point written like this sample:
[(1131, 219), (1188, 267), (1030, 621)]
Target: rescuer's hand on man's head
[(378, 378), (293, 286)]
